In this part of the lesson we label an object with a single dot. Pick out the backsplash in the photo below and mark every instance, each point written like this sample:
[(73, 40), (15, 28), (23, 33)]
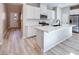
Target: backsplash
[(35, 21)]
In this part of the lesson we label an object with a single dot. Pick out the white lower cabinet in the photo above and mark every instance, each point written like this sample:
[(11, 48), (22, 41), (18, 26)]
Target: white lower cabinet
[(30, 31), (74, 11)]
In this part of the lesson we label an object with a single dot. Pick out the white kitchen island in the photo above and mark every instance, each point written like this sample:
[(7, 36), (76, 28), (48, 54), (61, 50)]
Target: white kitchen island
[(49, 36)]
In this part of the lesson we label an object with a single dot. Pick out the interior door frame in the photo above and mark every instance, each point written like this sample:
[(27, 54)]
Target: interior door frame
[(14, 9)]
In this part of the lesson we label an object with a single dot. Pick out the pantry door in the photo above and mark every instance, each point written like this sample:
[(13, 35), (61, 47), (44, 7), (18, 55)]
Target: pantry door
[(14, 15)]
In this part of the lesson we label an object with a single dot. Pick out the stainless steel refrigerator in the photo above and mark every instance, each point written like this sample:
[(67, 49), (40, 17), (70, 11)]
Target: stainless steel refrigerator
[(74, 19)]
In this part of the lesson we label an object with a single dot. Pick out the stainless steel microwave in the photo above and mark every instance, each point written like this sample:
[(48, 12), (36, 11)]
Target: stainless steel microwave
[(43, 16)]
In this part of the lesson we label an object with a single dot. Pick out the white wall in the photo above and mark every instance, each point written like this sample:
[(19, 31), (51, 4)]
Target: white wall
[(2, 18), (57, 14), (65, 15)]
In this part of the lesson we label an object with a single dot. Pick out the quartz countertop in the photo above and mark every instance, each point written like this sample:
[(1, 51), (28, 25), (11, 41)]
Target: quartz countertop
[(52, 28)]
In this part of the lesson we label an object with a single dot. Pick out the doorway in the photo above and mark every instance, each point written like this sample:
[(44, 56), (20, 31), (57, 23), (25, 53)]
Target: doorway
[(13, 18)]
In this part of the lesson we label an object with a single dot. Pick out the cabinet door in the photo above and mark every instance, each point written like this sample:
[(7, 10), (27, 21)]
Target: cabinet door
[(51, 14), (31, 31), (36, 13), (32, 12), (29, 12)]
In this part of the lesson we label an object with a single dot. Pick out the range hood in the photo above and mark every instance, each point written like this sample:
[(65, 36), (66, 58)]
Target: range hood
[(43, 8)]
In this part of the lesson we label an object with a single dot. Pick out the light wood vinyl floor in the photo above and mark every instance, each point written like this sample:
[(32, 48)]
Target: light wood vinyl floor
[(14, 45), (68, 47)]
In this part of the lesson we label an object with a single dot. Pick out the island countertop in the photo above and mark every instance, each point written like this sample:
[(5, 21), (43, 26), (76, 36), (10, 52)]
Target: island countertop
[(52, 28)]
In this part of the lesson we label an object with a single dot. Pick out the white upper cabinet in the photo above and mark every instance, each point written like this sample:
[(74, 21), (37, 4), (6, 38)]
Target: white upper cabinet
[(51, 14), (75, 11), (32, 12), (29, 11), (36, 13)]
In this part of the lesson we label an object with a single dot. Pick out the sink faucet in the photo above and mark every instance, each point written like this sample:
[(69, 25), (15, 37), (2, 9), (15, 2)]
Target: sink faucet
[(58, 22)]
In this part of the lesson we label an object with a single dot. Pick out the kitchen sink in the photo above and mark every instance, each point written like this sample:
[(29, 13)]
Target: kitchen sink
[(56, 25)]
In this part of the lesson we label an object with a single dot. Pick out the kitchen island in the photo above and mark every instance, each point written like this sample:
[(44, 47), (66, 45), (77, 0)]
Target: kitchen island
[(50, 36)]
